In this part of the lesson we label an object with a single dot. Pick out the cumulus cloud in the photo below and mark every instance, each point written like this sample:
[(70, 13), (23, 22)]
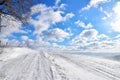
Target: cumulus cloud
[(116, 26), (103, 36), (62, 6), (38, 8), (24, 38), (39, 43), (57, 47), (100, 46), (116, 23), (59, 5), (43, 17), (94, 3), (47, 16), (91, 40), (56, 34), (117, 8), (111, 45), (84, 36), (89, 34), (68, 16), (83, 25)]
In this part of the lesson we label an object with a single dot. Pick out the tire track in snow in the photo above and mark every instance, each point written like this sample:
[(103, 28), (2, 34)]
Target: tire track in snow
[(45, 68), (58, 73), (92, 68), (20, 70), (32, 66), (38, 66), (74, 72)]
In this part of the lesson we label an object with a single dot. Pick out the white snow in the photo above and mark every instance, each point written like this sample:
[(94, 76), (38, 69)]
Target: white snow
[(28, 64)]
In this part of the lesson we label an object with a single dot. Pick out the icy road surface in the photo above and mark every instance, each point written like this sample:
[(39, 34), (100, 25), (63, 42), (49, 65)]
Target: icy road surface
[(27, 64)]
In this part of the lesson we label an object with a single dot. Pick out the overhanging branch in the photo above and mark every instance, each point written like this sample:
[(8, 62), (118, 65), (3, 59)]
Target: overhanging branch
[(3, 1)]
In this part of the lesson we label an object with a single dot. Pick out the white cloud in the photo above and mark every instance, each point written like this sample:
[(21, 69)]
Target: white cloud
[(110, 45), (117, 37), (24, 38), (83, 25), (39, 43), (39, 8), (90, 34), (57, 2), (100, 46), (62, 6), (44, 18), (116, 23), (116, 26), (94, 3), (116, 9), (26, 41), (103, 36), (69, 30), (68, 16), (84, 36), (56, 35), (91, 40), (107, 14), (56, 47), (59, 6), (47, 16)]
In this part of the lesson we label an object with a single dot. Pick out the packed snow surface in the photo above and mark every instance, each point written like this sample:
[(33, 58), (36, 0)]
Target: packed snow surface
[(28, 64)]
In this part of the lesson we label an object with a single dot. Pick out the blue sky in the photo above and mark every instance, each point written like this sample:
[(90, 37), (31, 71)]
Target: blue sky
[(85, 25)]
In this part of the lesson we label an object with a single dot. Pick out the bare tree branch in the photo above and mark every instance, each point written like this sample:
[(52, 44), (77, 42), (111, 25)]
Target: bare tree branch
[(2, 2), (16, 8)]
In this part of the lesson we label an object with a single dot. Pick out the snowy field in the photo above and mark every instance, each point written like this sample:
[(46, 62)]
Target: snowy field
[(27, 64)]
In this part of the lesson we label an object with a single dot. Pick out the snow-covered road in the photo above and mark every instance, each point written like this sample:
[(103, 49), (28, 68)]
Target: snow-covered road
[(27, 64), (24, 64), (81, 67)]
